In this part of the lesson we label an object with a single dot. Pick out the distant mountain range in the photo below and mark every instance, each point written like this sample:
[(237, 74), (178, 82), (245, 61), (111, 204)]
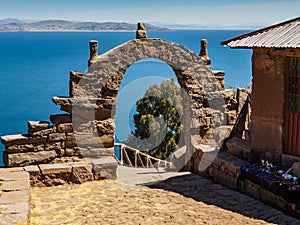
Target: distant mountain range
[(12, 24)]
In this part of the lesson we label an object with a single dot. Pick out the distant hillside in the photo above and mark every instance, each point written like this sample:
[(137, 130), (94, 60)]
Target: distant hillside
[(63, 25)]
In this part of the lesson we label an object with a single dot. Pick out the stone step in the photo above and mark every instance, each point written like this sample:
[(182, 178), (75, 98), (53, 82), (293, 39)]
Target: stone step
[(14, 196)]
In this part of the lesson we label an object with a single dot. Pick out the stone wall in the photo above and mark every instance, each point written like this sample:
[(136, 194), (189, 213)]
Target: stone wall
[(225, 169), (44, 143)]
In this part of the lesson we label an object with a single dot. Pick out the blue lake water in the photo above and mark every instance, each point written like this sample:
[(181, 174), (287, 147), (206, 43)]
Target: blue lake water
[(35, 66)]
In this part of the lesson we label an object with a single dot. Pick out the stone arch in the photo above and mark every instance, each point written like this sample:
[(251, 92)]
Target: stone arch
[(95, 99)]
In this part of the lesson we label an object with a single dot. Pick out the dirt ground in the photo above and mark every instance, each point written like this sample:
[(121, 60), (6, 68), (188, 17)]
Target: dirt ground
[(109, 202)]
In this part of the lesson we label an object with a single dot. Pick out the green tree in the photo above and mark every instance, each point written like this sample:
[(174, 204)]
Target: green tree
[(158, 120)]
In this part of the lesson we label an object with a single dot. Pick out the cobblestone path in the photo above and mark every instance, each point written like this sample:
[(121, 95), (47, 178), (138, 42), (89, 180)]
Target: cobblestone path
[(187, 199)]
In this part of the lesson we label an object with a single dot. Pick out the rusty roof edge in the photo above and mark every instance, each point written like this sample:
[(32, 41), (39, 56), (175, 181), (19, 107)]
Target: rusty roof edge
[(225, 42)]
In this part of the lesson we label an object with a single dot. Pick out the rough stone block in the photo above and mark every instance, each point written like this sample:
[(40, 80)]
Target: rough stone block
[(56, 137), (72, 151), (60, 118), (195, 123), (105, 127), (70, 141), (238, 147), (34, 126), (95, 152), (229, 163), (66, 160), (85, 139), (38, 148), (43, 132), (66, 108), (8, 140), (21, 159), (81, 172), (219, 75), (205, 122), (47, 169), (242, 96), (227, 180), (53, 146), (231, 117), (55, 174), (105, 168), (65, 127), (19, 148), (102, 114), (251, 189), (222, 132), (74, 80), (20, 139), (34, 174), (178, 157)]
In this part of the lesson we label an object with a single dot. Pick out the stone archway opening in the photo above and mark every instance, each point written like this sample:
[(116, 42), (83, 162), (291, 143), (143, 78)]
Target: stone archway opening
[(137, 80)]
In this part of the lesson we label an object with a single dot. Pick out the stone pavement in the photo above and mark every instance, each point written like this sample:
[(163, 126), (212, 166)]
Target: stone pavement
[(186, 199), (14, 196)]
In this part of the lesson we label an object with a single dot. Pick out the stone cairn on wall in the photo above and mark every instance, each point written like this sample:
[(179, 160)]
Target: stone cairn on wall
[(49, 151)]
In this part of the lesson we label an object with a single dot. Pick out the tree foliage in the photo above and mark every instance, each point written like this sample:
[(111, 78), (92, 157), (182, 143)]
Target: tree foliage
[(158, 120)]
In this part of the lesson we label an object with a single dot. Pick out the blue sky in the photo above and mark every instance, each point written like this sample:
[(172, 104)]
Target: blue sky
[(222, 12)]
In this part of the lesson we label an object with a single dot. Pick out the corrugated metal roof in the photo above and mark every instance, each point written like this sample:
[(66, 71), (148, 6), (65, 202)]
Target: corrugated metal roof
[(282, 35)]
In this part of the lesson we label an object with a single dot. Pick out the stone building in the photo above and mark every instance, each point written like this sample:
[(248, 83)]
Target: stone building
[(275, 117)]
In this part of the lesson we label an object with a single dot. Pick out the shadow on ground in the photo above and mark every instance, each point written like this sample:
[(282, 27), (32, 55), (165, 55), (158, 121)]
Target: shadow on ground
[(204, 190)]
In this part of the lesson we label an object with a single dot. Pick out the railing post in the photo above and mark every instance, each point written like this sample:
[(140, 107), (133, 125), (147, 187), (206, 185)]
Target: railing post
[(121, 152), (135, 158)]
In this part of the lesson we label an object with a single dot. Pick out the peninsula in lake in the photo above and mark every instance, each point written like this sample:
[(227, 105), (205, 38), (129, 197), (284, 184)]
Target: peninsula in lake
[(9, 25)]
